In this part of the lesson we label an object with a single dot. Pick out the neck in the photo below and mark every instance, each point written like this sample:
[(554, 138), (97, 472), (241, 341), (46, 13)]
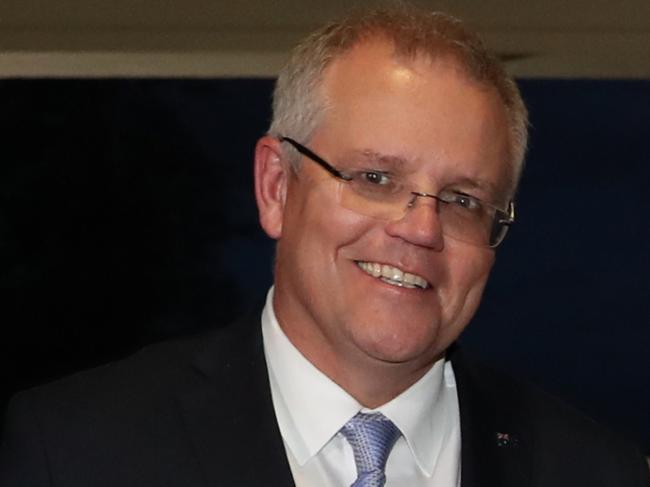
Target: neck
[(371, 381)]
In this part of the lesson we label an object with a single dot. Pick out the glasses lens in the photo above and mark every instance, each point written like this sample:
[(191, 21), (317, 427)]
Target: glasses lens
[(464, 222), (374, 194), (500, 226), (498, 233)]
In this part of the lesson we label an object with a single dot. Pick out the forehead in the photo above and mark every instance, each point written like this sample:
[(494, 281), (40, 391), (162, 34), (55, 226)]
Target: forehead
[(427, 112)]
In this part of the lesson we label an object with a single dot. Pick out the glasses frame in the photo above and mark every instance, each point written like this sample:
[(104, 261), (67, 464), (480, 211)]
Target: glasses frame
[(316, 158), (509, 213)]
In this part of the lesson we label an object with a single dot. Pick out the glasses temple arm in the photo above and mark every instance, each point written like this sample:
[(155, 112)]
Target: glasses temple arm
[(315, 157)]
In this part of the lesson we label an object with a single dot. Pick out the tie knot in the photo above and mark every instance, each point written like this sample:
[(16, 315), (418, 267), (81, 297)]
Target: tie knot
[(372, 437)]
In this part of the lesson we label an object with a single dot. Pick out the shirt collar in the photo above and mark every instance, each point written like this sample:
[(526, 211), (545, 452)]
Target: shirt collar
[(311, 408), (425, 415)]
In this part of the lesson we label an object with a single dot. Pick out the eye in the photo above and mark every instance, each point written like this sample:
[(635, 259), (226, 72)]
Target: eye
[(464, 201), (375, 177)]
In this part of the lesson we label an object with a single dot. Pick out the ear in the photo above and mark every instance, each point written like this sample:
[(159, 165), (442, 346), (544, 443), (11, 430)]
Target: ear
[(271, 179)]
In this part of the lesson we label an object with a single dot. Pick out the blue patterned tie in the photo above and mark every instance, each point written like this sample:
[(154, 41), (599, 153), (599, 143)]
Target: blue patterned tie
[(371, 436)]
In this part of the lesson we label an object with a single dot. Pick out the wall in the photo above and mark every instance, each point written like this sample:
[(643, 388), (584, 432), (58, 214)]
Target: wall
[(127, 216)]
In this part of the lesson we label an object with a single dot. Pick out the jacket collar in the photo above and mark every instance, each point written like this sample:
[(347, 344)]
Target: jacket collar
[(230, 417)]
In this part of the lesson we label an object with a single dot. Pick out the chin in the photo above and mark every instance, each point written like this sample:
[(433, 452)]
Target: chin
[(404, 345)]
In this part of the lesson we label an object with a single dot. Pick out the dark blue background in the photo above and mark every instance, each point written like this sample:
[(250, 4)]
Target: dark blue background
[(127, 216)]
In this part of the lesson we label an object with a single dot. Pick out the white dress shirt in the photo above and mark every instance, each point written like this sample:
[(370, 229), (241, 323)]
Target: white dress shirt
[(311, 409)]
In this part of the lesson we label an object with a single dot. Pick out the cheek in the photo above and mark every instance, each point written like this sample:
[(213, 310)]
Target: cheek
[(318, 233), (332, 229), (468, 273)]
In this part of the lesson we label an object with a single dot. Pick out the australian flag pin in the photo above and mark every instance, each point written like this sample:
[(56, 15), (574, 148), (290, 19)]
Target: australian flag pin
[(506, 439)]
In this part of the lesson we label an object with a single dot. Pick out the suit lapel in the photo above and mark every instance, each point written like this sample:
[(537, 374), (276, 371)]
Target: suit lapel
[(230, 415), (495, 448)]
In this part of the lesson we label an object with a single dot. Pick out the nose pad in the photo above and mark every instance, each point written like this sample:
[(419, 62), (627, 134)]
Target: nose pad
[(420, 224)]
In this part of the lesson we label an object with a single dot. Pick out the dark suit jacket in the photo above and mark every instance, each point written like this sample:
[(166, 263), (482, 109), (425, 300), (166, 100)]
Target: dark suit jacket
[(198, 412)]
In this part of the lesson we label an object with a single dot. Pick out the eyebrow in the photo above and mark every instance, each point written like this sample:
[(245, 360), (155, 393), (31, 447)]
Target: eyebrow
[(476, 184), (371, 156)]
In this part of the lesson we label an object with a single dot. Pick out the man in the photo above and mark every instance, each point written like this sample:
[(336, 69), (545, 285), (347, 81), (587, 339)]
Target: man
[(387, 180)]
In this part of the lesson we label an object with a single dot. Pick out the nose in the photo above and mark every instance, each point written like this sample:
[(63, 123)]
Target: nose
[(421, 224)]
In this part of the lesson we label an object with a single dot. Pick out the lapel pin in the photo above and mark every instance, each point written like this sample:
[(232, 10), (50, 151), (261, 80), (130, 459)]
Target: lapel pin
[(506, 439)]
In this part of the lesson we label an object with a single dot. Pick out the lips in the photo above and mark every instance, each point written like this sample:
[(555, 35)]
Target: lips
[(393, 275)]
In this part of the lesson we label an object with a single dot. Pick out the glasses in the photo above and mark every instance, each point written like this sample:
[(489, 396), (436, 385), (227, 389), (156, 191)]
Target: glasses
[(386, 195)]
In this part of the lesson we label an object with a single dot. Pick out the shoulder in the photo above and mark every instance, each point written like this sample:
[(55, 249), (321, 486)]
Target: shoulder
[(129, 414), (559, 441), (139, 383)]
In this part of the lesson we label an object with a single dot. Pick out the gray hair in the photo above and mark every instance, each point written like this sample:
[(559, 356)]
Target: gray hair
[(299, 105)]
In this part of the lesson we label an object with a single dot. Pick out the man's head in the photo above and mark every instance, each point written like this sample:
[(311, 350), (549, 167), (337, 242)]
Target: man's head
[(360, 290), (299, 103)]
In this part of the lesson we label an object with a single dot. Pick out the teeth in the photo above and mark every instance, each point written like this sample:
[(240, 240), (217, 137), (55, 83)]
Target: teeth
[(393, 275)]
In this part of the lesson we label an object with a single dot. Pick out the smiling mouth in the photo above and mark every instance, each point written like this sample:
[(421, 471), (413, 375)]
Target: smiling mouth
[(393, 275)]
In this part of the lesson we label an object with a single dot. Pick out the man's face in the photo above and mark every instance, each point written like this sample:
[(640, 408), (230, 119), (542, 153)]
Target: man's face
[(447, 132)]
